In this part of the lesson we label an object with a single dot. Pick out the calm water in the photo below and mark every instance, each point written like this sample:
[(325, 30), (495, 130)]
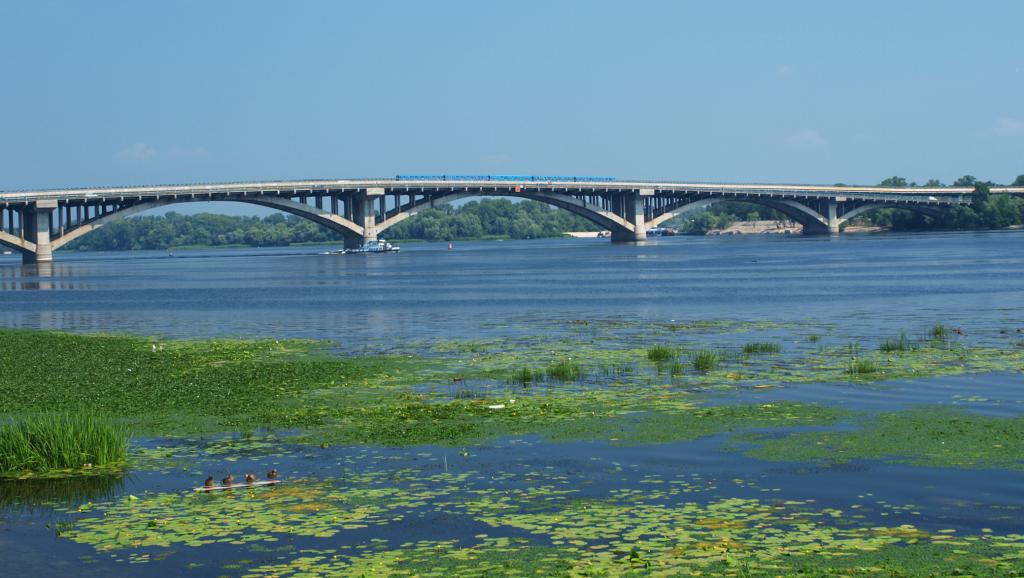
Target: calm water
[(858, 286), (483, 289)]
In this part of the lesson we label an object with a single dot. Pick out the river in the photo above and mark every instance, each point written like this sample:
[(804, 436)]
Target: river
[(853, 287)]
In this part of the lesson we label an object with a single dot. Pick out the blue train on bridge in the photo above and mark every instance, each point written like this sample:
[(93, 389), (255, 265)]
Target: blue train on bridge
[(516, 178)]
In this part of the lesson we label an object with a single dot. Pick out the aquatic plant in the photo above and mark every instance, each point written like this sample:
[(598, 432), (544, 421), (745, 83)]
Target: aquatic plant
[(47, 443), (861, 366), (939, 332), (931, 436), (761, 347), (813, 338), (705, 359), (660, 353), (467, 391), (892, 345), (525, 376), (676, 369), (564, 370)]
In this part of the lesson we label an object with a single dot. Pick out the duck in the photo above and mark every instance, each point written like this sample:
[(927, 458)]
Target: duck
[(272, 475), (229, 480), (249, 478), (209, 482)]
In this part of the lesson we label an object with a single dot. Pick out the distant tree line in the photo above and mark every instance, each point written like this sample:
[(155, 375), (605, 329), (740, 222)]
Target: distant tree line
[(486, 218), (490, 218), (986, 211)]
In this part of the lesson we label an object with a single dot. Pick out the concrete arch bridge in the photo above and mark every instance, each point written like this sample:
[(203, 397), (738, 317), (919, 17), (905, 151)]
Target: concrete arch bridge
[(37, 223)]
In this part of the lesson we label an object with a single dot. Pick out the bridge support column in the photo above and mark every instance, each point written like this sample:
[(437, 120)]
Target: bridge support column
[(833, 220), (364, 214), (633, 212), (827, 224), (37, 230)]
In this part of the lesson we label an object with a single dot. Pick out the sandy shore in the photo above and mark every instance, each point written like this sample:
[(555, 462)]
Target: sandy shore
[(759, 228)]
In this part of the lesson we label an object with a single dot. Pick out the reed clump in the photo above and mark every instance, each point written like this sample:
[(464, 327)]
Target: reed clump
[(892, 345), (660, 353), (859, 366), (49, 443), (761, 348), (705, 360), (939, 332), (525, 376), (564, 370)]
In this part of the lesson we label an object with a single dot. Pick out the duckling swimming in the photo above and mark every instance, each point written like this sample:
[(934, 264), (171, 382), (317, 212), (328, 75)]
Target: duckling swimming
[(208, 483), (272, 475), (228, 480), (249, 478)]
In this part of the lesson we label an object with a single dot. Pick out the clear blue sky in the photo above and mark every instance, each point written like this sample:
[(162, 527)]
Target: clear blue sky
[(102, 93)]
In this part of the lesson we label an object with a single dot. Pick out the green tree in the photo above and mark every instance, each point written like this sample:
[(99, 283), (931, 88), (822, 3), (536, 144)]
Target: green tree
[(894, 182)]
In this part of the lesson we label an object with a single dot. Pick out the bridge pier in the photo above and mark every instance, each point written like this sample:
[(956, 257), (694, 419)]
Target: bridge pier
[(830, 223), (833, 220), (633, 211), (364, 214), (37, 231)]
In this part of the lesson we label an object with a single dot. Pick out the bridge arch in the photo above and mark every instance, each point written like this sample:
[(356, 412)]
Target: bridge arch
[(924, 210), (16, 243), (334, 222), (811, 219), (595, 214)]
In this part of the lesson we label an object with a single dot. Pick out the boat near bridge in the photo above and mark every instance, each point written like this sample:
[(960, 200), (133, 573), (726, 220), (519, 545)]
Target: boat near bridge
[(374, 246)]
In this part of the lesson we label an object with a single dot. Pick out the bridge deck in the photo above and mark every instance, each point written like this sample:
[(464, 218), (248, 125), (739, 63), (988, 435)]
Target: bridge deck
[(484, 186)]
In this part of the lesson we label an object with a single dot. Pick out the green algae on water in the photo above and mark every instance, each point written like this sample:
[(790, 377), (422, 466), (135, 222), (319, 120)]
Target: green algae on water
[(932, 436)]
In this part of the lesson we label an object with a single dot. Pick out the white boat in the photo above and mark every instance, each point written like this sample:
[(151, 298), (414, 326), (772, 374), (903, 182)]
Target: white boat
[(375, 246)]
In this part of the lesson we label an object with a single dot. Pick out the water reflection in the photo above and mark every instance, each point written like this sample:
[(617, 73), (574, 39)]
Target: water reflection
[(34, 277), (46, 493)]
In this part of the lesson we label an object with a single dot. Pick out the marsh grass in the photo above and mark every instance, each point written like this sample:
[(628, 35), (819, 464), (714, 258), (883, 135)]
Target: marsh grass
[(661, 353), (939, 332), (676, 369), (762, 348), (898, 344), (48, 443), (467, 391), (525, 376), (564, 370), (860, 366), (705, 360), (618, 369)]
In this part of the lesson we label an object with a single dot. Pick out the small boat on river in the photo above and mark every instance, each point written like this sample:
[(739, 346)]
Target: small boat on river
[(375, 246)]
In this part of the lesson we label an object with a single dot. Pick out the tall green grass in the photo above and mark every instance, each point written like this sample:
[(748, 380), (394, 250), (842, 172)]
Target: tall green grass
[(44, 443), (939, 332), (901, 343), (525, 376), (660, 353), (705, 359), (564, 370), (862, 367), (761, 347)]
